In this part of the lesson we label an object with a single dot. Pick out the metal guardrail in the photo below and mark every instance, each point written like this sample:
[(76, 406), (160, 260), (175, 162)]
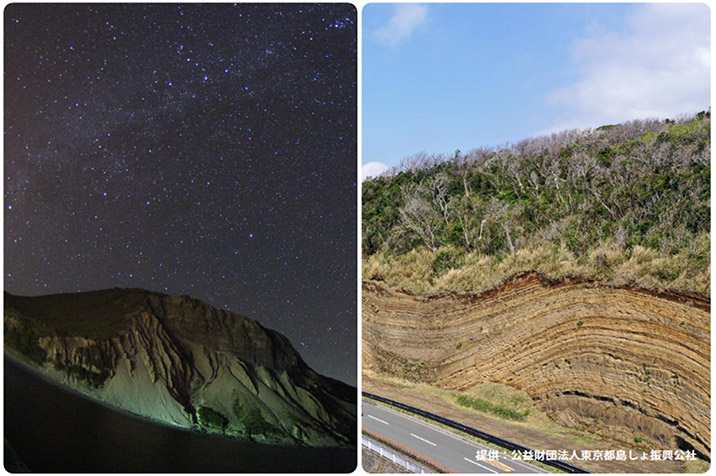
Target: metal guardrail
[(502, 442), (393, 456)]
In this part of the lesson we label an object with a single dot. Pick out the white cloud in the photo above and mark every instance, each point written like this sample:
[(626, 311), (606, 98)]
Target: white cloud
[(372, 169), (406, 17), (659, 68)]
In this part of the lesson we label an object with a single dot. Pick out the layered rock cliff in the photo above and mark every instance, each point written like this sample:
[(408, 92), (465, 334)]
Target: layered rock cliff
[(624, 362), (183, 362)]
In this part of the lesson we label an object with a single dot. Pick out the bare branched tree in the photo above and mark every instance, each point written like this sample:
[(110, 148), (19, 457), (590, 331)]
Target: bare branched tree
[(420, 161), (470, 212), (500, 212), (439, 191), (462, 165), (420, 216), (534, 181)]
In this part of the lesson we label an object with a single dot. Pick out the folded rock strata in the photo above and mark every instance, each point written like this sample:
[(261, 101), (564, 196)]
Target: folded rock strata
[(624, 362)]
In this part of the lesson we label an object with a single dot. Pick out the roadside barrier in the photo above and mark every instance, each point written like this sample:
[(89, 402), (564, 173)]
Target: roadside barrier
[(393, 456), (502, 442)]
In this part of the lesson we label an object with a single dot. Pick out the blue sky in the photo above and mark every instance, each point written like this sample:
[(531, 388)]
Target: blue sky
[(440, 77)]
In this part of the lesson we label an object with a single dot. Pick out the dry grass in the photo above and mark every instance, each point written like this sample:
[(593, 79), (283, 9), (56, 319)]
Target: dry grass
[(415, 272), (495, 393), (696, 466), (537, 430), (412, 270)]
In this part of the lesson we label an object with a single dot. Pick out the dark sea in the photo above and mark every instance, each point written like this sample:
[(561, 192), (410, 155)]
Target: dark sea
[(53, 429)]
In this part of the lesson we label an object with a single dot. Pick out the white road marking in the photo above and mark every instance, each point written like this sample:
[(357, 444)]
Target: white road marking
[(506, 456), (478, 464), (378, 419), (423, 439), (533, 468)]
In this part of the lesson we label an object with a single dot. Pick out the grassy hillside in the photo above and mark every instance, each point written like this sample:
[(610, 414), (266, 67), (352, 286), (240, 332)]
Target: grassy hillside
[(626, 203)]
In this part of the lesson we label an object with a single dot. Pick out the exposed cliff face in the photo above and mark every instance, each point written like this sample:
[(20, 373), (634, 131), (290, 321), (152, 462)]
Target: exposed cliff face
[(178, 360), (622, 362)]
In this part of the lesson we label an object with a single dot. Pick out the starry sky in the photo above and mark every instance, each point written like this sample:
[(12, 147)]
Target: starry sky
[(207, 150)]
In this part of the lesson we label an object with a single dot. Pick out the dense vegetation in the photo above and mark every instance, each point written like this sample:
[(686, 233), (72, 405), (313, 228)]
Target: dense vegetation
[(627, 203), (211, 418), (252, 419)]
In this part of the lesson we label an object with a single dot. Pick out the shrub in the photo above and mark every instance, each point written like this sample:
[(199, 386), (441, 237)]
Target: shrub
[(252, 419), (212, 418), (447, 259), (487, 407)]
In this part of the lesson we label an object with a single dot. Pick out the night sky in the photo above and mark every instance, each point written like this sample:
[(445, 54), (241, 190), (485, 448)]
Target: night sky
[(207, 150)]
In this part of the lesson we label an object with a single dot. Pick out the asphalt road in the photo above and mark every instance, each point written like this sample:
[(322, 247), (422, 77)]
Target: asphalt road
[(441, 446)]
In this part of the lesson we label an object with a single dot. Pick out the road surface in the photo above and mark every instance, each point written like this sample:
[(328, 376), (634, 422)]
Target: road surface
[(437, 444)]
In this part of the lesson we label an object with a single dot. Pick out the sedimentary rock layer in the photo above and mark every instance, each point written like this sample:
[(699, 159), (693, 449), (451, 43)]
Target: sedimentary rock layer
[(624, 362)]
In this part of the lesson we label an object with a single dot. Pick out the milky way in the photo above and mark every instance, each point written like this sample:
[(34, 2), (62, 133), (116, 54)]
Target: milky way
[(207, 150)]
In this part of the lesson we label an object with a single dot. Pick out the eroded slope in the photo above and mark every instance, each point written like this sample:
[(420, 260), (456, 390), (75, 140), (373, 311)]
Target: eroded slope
[(624, 362), (180, 361)]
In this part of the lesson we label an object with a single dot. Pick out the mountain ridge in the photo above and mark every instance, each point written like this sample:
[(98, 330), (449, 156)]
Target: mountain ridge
[(183, 362)]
